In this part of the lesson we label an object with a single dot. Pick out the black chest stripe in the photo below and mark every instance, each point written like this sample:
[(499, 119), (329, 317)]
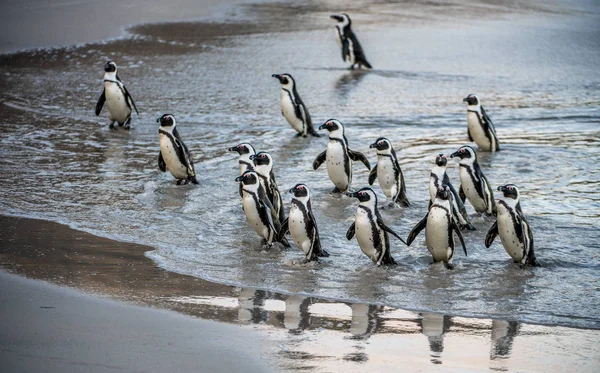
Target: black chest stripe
[(377, 244), (476, 184), (260, 208), (308, 223)]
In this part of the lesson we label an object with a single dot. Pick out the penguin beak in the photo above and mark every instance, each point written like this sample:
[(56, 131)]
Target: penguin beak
[(374, 145), (323, 126), (501, 188), (354, 195), (277, 76), (292, 190), (252, 157), (336, 17), (158, 120), (465, 99), (232, 149), (239, 178), (455, 154)]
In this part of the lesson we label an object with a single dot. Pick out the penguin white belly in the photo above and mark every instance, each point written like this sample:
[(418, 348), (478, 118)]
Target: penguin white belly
[(385, 176), (436, 234), (470, 191), (253, 217), (477, 132), (508, 235), (432, 189), (289, 112), (335, 166), (364, 234), (116, 103), (297, 227), (169, 154)]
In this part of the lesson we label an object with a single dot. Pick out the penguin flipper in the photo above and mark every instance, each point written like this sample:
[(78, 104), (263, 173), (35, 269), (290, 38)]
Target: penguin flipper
[(319, 160), (416, 230), (401, 198), (388, 229), (283, 230), (460, 236), (491, 234), (373, 175), (100, 103), (461, 194), (345, 49), (357, 156), (130, 101), (469, 133), (351, 231), (161, 163)]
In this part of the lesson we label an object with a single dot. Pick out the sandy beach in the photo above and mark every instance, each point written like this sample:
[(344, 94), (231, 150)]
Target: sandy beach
[(152, 296)]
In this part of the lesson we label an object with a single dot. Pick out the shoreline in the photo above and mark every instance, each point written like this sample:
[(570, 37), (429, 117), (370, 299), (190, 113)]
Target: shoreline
[(290, 325)]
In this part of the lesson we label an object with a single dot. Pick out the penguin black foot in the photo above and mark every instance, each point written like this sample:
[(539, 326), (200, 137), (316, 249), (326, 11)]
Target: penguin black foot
[(469, 227), (300, 135), (192, 179), (336, 190), (449, 265), (179, 181), (324, 254), (112, 126), (128, 124)]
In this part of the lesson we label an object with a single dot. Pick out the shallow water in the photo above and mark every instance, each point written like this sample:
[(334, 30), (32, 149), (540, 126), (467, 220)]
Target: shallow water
[(535, 71)]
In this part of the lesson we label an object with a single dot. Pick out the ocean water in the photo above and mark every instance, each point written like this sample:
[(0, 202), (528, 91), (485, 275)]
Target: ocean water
[(534, 67)]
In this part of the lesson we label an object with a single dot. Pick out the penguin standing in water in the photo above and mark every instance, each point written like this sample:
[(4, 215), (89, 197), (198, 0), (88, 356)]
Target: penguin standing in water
[(388, 172), (174, 155), (292, 107), (513, 229), (439, 225), (371, 232), (351, 49), (117, 98), (263, 165), (479, 126), (438, 178), (473, 184), (245, 151), (339, 157), (302, 225), (258, 209)]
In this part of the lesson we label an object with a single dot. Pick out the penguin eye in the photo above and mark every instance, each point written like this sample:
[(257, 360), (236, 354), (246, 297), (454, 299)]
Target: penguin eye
[(380, 143)]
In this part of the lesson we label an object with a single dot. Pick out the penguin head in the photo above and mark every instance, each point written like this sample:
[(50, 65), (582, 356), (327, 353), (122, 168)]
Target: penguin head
[(248, 178), (261, 159), (465, 152), (382, 144), (286, 80), (300, 190), (441, 160), (342, 18), (443, 192), (471, 100), (366, 196), (510, 191), (110, 67), (243, 148), (167, 120), (332, 125)]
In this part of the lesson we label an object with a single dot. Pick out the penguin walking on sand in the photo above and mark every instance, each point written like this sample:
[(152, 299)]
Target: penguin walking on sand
[(245, 151), (258, 209), (302, 225), (473, 184), (263, 165), (388, 172), (352, 51), (117, 98), (339, 157), (439, 177), (513, 229), (370, 230), (479, 126), (293, 108), (174, 155), (439, 225)]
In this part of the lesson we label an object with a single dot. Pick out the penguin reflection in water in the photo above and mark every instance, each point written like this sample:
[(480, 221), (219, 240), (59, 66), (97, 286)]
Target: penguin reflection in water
[(302, 225), (259, 211), (351, 49), (439, 224), (370, 230), (339, 157), (292, 107), (263, 165), (174, 155), (388, 172), (117, 98), (513, 229)]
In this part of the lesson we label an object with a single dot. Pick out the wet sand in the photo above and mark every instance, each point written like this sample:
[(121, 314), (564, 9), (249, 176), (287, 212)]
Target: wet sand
[(57, 327)]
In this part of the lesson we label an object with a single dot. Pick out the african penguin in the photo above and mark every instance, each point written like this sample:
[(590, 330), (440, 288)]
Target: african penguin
[(117, 98), (512, 227), (339, 157), (174, 155), (473, 184), (439, 225), (245, 151), (263, 165), (302, 225), (258, 208), (388, 172), (371, 232), (292, 107), (352, 51), (479, 126), (439, 177)]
